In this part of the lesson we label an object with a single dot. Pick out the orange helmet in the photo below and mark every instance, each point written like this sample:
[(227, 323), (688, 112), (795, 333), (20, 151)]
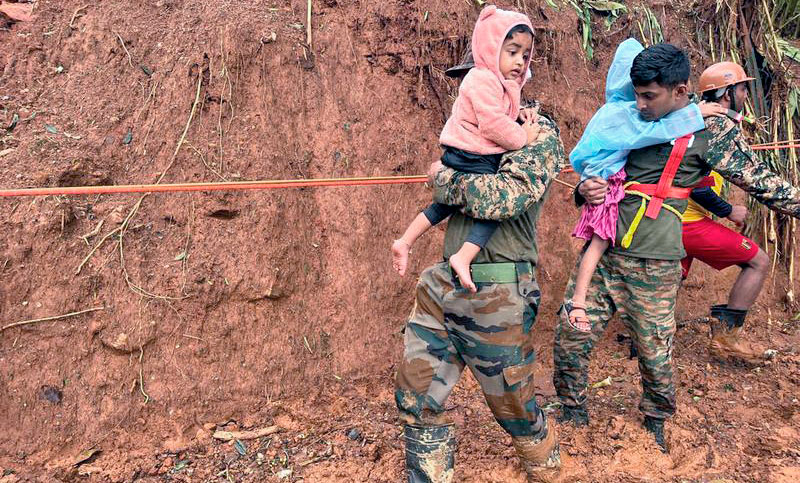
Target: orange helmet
[(722, 74)]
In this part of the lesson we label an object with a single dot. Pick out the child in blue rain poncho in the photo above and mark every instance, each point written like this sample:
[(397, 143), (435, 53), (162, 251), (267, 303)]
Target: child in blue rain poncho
[(615, 130)]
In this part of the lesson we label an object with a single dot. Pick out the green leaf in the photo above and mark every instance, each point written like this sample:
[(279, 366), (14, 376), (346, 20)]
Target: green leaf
[(240, 447), (604, 6), (552, 4), (551, 406), (128, 137), (146, 70), (51, 129), (605, 382), (793, 101), (14, 121), (180, 256), (789, 50), (84, 456)]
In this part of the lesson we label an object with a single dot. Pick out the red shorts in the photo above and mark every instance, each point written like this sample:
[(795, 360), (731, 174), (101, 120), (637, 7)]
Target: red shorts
[(715, 244)]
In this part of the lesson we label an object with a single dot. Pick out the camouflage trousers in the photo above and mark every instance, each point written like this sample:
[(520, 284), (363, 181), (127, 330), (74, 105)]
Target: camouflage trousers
[(643, 291), (490, 332)]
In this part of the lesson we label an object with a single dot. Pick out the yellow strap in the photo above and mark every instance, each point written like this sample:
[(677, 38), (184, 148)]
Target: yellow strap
[(628, 238)]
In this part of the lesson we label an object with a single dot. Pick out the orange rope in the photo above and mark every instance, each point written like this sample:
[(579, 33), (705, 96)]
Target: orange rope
[(778, 143), (266, 184), (228, 186), (764, 147)]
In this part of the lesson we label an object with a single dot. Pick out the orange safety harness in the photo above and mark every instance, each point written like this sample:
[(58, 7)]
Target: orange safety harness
[(654, 195)]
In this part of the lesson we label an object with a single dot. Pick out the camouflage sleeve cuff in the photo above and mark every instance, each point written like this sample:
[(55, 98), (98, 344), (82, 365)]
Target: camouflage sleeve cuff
[(446, 188)]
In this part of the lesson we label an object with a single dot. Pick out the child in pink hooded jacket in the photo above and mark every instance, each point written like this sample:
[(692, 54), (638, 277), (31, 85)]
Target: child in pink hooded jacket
[(482, 126)]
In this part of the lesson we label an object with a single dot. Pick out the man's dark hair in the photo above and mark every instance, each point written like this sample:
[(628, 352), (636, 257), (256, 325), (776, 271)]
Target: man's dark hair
[(664, 64), (518, 29), (713, 95)]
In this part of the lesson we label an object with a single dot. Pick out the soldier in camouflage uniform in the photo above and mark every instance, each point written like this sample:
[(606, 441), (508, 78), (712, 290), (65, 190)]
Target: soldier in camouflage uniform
[(641, 281), (489, 331), (719, 246)]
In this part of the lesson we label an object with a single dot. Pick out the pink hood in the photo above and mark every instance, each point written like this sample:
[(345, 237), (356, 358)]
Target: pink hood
[(485, 112), (487, 39)]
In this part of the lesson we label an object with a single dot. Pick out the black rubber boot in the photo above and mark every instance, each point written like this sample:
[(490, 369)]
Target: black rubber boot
[(430, 453), (656, 426), (578, 415), (633, 352)]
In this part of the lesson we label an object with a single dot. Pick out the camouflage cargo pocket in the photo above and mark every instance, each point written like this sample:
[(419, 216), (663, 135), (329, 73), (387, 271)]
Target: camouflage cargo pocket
[(529, 290)]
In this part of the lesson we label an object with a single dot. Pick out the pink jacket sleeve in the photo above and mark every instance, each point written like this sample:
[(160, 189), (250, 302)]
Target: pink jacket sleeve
[(485, 93)]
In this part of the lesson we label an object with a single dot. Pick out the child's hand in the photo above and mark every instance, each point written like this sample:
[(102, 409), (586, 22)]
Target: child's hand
[(527, 113), (532, 130), (708, 109)]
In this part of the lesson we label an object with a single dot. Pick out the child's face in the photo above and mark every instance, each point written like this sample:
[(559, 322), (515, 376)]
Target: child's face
[(514, 55)]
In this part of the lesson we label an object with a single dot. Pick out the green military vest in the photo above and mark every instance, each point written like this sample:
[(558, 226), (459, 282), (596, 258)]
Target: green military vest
[(659, 238)]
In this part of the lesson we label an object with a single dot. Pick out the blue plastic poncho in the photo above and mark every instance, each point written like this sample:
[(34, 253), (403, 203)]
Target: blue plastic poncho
[(616, 128)]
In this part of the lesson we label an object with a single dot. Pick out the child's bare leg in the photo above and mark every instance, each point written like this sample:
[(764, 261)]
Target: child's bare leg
[(586, 269), (460, 262), (402, 246)]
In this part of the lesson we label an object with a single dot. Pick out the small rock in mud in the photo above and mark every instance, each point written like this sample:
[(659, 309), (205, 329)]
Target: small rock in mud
[(354, 434), (223, 214), (230, 458), (9, 477), (202, 436), (616, 427), (126, 342), (52, 394), (175, 446)]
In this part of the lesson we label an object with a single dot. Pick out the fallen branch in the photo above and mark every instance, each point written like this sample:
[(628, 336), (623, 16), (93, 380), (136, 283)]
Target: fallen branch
[(91, 252), (242, 435), (45, 319), (130, 62), (93, 233), (308, 25), (75, 15), (314, 460), (141, 376)]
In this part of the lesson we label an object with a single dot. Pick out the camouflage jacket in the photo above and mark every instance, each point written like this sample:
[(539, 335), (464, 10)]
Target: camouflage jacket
[(730, 155), (512, 196)]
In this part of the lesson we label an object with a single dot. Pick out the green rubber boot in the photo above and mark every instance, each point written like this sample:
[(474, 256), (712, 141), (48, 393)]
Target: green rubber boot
[(430, 453)]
